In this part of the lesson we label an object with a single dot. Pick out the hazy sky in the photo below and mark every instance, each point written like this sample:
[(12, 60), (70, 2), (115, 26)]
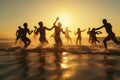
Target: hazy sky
[(77, 13)]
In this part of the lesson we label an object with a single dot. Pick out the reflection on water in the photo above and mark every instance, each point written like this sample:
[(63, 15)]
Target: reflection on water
[(109, 67), (58, 66)]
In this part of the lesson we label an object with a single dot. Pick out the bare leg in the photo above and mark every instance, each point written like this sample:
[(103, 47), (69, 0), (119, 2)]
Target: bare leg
[(77, 41), (60, 42), (70, 41), (105, 40), (115, 40)]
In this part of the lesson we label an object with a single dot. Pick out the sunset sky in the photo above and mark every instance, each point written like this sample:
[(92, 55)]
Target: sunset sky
[(73, 13)]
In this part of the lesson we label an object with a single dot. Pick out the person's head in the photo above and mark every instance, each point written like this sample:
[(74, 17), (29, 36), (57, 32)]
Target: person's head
[(25, 25), (78, 29), (40, 23), (104, 21), (19, 27), (59, 24), (93, 29), (88, 28)]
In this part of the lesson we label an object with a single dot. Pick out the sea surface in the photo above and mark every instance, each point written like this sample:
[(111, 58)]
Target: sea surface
[(69, 62)]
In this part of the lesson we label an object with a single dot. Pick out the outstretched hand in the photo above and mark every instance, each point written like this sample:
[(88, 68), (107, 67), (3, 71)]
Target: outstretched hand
[(57, 18)]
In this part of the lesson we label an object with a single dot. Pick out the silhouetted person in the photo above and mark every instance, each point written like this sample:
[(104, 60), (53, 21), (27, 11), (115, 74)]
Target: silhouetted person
[(58, 29), (67, 35), (90, 37), (24, 37), (34, 35), (35, 29), (78, 40), (18, 34), (94, 39), (111, 35), (42, 30)]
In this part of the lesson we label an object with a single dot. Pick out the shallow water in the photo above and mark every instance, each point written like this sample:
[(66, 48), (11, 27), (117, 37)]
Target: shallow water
[(65, 63), (58, 66)]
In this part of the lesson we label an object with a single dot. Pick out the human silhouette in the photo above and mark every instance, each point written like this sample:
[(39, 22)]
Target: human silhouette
[(34, 35), (58, 29), (90, 36), (67, 35), (42, 30), (94, 39), (78, 40), (18, 34), (24, 37), (111, 34)]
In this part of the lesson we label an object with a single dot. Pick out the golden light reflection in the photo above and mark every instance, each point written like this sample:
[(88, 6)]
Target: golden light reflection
[(65, 59), (64, 53), (68, 74), (64, 66)]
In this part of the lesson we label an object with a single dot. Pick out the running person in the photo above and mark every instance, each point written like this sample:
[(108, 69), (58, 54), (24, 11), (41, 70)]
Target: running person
[(94, 39), (24, 37), (18, 34), (111, 34), (67, 35), (42, 30), (58, 29), (79, 38)]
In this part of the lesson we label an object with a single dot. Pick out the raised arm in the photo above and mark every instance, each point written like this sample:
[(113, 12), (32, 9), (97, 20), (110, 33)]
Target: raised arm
[(53, 24), (56, 21)]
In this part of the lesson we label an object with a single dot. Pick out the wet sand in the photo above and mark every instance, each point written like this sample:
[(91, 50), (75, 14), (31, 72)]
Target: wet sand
[(58, 65)]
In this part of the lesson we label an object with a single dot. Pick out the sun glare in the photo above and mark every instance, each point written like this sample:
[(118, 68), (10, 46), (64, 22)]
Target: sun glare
[(65, 21)]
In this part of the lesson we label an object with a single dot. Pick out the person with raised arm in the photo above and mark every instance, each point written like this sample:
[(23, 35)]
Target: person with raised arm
[(58, 29)]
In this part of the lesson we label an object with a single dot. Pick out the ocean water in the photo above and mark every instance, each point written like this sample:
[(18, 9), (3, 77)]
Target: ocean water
[(69, 62)]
